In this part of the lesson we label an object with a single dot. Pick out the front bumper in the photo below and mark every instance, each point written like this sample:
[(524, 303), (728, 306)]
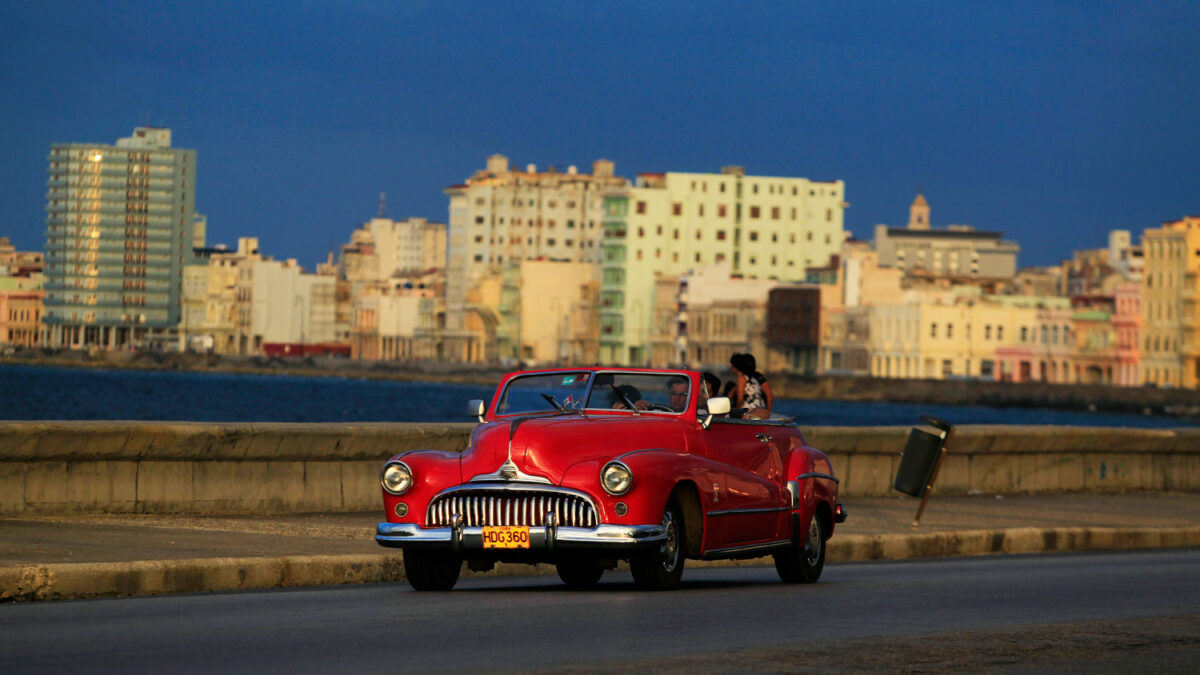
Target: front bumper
[(460, 539)]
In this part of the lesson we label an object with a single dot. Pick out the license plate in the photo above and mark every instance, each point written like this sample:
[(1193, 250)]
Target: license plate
[(506, 537)]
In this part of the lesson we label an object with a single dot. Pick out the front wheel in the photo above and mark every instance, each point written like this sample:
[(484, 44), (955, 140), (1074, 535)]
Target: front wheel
[(803, 564), (431, 570), (661, 568)]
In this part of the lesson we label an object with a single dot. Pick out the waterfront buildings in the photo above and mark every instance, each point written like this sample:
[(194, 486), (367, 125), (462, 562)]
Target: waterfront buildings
[(21, 296), (501, 216), (1170, 312), (120, 228), (957, 251), (764, 227)]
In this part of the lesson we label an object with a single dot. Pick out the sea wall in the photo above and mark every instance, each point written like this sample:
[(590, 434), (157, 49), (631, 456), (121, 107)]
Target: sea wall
[(153, 467)]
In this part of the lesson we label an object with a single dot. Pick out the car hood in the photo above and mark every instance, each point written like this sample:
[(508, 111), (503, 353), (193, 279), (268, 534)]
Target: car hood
[(547, 446)]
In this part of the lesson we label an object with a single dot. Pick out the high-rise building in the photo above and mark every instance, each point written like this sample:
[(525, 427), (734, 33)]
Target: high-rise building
[(763, 227), (120, 228)]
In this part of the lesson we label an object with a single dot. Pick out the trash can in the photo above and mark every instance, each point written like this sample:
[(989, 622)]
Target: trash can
[(922, 458)]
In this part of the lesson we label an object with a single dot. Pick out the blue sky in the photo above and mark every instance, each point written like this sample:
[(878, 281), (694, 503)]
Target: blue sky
[(1052, 122)]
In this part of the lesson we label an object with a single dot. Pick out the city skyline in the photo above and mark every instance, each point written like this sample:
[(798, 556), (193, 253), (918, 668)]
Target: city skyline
[(1053, 125)]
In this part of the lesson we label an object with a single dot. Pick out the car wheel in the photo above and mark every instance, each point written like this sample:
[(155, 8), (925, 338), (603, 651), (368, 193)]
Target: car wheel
[(661, 568), (803, 564), (579, 573), (431, 570)]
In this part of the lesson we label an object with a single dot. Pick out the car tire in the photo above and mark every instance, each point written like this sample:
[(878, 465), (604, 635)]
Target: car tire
[(579, 573), (803, 564), (431, 570), (660, 568)]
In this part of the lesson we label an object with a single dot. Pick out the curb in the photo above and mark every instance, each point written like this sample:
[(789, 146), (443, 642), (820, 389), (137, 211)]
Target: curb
[(153, 577)]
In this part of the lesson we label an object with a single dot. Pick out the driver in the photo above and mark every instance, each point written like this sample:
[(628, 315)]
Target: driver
[(677, 393)]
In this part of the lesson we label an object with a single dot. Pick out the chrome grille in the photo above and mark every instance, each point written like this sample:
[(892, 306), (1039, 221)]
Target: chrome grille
[(480, 508)]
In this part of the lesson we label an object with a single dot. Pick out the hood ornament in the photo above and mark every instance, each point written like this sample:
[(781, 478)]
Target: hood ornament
[(509, 471)]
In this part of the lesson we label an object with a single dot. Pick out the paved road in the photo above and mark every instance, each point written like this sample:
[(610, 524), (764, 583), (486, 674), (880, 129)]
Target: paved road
[(534, 623)]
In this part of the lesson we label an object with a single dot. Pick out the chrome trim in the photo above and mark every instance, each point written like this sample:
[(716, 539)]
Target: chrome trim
[(764, 547), (793, 488), (733, 512), (509, 472), (400, 535), (627, 469), (814, 474), (484, 503), (765, 438), (396, 462)]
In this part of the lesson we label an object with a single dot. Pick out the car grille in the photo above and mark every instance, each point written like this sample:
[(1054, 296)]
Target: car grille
[(483, 508)]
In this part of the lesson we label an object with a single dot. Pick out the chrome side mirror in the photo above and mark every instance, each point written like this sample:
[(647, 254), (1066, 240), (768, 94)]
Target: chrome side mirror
[(476, 408), (717, 405)]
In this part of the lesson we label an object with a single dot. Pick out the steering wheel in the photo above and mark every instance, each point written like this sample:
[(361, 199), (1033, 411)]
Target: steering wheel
[(661, 407)]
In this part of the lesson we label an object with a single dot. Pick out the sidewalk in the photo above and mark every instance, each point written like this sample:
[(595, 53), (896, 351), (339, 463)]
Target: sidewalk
[(51, 557)]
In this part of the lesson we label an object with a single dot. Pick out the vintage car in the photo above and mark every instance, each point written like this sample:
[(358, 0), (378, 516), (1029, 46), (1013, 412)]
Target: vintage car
[(584, 467)]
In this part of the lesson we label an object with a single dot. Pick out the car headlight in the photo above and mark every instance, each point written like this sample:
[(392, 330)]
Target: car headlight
[(396, 477), (616, 478)]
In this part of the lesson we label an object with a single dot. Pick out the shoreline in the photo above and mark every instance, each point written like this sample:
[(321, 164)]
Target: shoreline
[(1176, 403)]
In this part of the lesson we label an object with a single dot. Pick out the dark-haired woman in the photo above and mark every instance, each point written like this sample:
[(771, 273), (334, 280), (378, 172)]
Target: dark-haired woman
[(752, 391)]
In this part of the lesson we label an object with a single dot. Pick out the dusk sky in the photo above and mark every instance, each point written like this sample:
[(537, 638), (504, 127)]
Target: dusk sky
[(1051, 122)]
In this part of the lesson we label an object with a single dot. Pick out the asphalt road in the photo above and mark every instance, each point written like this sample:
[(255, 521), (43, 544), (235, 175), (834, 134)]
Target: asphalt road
[(1008, 613)]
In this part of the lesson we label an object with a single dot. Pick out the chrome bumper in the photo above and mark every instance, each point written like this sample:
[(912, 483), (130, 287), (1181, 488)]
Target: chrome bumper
[(543, 539)]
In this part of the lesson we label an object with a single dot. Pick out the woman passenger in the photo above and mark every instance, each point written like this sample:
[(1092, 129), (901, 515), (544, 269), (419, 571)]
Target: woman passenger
[(752, 391)]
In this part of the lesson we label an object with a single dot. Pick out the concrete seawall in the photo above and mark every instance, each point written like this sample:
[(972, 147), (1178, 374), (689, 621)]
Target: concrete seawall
[(152, 467)]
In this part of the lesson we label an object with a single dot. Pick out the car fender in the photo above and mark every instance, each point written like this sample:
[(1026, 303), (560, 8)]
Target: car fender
[(432, 470), (812, 482), (656, 474)]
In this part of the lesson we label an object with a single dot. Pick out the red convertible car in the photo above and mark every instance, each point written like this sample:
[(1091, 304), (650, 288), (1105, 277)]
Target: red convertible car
[(584, 467)]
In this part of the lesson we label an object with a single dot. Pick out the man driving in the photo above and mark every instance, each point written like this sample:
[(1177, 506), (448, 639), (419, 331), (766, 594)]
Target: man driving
[(677, 393)]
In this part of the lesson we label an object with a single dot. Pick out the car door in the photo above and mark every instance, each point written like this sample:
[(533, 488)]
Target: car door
[(752, 504)]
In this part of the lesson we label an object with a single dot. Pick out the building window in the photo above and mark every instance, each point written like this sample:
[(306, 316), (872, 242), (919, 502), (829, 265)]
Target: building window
[(641, 207), (933, 330), (774, 213), (753, 235), (721, 210), (720, 235), (677, 209), (754, 211)]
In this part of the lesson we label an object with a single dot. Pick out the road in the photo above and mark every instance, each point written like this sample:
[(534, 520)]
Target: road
[(1009, 613)]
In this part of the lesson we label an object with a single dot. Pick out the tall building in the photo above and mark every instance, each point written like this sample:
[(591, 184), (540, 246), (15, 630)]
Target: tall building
[(501, 216), (1170, 328), (764, 227), (120, 228)]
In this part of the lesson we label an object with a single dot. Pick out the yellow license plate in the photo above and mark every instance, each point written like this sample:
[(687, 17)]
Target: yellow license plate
[(506, 537)]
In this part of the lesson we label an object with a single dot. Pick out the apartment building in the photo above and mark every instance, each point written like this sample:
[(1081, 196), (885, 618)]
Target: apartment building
[(21, 296), (501, 216), (1170, 312), (120, 228), (763, 227)]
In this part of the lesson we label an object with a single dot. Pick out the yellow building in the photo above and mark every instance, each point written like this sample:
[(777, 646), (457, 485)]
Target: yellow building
[(956, 333), (1170, 314)]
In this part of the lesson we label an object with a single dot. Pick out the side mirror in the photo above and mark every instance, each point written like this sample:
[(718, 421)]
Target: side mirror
[(476, 408), (717, 405)]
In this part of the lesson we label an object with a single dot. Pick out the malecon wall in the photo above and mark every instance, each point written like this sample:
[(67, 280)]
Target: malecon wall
[(152, 467)]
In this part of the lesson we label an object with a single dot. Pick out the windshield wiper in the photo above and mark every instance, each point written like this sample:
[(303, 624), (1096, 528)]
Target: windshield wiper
[(625, 397), (560, 409), (554, 403)]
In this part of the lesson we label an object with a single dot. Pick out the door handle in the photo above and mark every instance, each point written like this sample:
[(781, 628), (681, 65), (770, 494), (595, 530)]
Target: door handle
[(763, 437)]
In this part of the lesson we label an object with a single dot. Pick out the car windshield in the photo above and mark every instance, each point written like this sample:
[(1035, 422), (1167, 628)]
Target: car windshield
[(543, 392), (575, 391), (644, 391)]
